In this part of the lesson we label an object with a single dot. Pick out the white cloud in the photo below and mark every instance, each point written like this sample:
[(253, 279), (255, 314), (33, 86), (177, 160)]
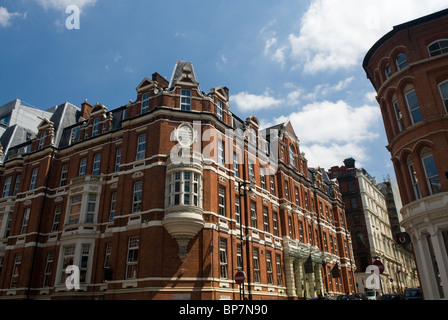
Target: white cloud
[(5, 16), (245, 101), (63, 4), (330, 132), (335, 34)]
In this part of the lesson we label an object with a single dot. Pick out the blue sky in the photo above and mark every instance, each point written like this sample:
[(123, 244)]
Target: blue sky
[(282, 60)]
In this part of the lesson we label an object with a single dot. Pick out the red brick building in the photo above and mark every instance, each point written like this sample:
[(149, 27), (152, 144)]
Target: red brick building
[(165, 198), (408, 68)]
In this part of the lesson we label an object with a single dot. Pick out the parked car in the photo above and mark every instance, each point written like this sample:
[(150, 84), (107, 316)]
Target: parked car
[(412, 294), (346, 297), (392, 296), (372, 295), (360, 296)]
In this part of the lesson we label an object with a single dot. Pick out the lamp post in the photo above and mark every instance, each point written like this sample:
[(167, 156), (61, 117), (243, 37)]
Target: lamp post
[(243, 184)]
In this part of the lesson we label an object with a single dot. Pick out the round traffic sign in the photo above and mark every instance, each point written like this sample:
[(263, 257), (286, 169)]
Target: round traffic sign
[(240, 276), (380, 265)]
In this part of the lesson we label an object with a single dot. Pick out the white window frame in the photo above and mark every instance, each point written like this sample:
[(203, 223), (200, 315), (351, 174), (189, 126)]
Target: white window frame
[(145, 103), (269, 273), (43, 135), (17, 185), (25, 220), (185, 100), (132, 256), (7, 187), (96, 164), (416, 109), (34, 178), (414, 180), (137, 197), (398, 115), (444, 99), (435, 53), (82, 167), (256, 264), (402, 64), (64, 172), (118, 159), (219, 109), (185, 188), (430, 179), (96, 127), (141, 147), (223, 261)]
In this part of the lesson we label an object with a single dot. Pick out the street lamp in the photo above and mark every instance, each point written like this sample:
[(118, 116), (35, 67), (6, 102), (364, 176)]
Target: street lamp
[(243, 184)]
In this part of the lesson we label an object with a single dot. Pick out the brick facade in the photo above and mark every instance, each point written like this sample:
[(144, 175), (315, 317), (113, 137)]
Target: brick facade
[(110, 198)]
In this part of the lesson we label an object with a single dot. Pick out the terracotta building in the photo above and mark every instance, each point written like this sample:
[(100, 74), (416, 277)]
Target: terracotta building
[(165, 198), (408, 69)]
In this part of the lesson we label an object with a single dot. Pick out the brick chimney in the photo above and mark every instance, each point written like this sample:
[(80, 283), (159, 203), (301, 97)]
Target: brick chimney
[(85, 110)]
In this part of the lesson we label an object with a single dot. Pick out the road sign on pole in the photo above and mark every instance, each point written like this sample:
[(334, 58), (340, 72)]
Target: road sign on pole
[(240, 276), (380, 265)]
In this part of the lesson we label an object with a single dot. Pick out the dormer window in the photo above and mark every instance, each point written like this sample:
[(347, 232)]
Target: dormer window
[(219, 109), (95, 130), (185, 100), (43, 135), (145, 103)]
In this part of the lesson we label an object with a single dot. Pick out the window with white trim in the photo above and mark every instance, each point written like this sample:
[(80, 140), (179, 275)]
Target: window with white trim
[(17, 185), (43, 135), (137, 197), (223, 258), (443, 87), (414, 179), (432, 176), (236, 165), (219, 109), (16, 271), (414, 107), (145, 103), (185, 188), (398, 115), (75, 209), (141, 147), (64, 173), (278, 266), (256, 265), (221, 153), (96, 126), (68, 259), (34, 178), (275, 223), (113, 204), (56, 218), (269, 274), (48, 269), (91, 208), (25, 220), (222, 201), (7, 187), (117, 159), (96, 164), (132, 258), (237, 209), (84, 262), (265, 219), (82, 167), (253, 215), (185, 100), (438, 47)]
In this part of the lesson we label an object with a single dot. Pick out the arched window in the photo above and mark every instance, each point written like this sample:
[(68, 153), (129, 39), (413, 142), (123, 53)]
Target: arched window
[(402, 61), (432, 176), (444, 93), (387, 71), (414, 180), (438, 47)]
